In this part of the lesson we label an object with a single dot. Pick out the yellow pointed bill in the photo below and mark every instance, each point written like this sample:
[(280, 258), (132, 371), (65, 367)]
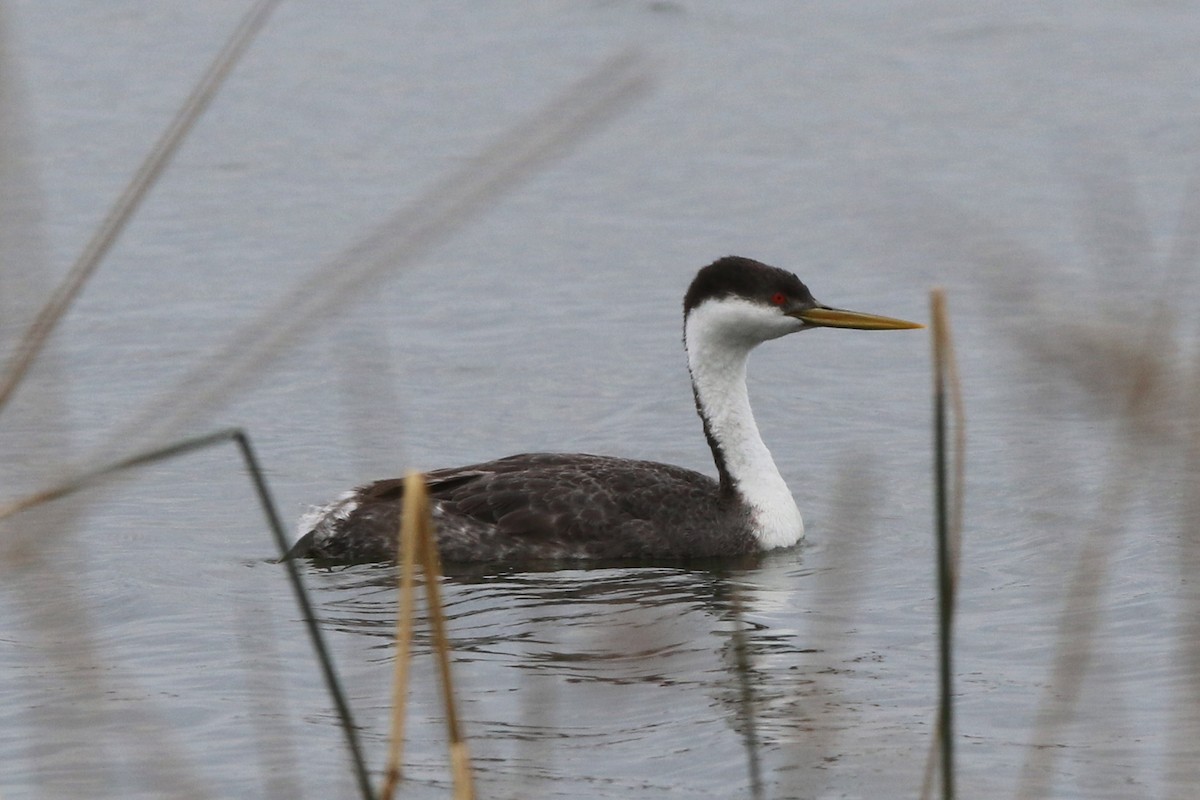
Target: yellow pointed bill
[(840, 318)]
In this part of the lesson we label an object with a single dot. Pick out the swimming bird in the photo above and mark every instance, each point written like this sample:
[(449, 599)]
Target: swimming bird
[(537, 506)]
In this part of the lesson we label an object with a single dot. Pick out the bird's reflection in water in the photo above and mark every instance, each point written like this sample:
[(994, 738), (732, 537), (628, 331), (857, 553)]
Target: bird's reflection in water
[(643, 656)]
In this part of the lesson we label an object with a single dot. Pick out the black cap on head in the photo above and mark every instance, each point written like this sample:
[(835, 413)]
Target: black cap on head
[(734, 276)]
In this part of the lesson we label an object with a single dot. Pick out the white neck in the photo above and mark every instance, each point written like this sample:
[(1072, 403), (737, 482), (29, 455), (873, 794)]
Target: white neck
[(718, 336)]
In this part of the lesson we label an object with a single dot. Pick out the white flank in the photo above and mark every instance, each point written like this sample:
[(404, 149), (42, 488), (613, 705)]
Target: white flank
[(719, 335), (319, 519)]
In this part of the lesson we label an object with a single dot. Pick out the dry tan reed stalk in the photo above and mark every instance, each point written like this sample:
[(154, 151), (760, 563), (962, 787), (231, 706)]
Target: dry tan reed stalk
[(416, 507), (460, 757), (417, 542), (946, 366), (131, 198)]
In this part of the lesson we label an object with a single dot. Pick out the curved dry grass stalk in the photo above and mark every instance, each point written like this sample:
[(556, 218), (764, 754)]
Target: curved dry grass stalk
[(396, 244), (130, 200)]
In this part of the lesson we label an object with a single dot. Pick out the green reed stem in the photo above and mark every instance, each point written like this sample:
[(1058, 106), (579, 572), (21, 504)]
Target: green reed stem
[(945, 511)]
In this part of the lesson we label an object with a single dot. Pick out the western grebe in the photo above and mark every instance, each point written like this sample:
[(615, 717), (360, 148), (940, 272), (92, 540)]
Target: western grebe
[(576, 506)]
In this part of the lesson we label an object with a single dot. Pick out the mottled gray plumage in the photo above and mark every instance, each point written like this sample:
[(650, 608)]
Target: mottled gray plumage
[(537, 506)]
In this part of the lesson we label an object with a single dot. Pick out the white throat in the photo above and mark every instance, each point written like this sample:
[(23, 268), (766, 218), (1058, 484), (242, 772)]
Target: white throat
[(718, 336)]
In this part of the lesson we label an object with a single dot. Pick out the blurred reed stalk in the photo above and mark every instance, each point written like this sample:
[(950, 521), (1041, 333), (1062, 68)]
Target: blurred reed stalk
[(1183, 764), (278, 766), (1129, 370), (741, 653), (417, 543), (398, 242), (1139, 373), (130, 200), (107, 472), (239, 437), (949, 475), (60, 618)]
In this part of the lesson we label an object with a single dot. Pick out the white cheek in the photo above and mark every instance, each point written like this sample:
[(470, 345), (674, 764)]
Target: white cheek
[(735, 320), (783, 325)]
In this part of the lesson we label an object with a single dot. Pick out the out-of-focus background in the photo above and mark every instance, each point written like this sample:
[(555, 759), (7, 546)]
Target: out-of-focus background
[(1038, 161)]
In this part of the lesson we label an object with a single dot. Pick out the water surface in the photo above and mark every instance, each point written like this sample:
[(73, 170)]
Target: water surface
[(1036, 163)]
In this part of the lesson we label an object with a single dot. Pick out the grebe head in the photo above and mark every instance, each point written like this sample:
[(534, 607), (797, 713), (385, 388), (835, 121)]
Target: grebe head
[(747, 302)]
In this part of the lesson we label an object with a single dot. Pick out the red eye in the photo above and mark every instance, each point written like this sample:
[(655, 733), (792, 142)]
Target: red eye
[(779, 298)]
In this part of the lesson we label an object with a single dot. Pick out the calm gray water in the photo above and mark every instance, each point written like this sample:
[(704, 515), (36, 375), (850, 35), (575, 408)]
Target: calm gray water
[(1036, 162)]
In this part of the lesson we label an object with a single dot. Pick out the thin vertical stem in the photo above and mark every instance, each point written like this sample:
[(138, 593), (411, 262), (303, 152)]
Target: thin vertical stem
[(945, 548), (310, 617)]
